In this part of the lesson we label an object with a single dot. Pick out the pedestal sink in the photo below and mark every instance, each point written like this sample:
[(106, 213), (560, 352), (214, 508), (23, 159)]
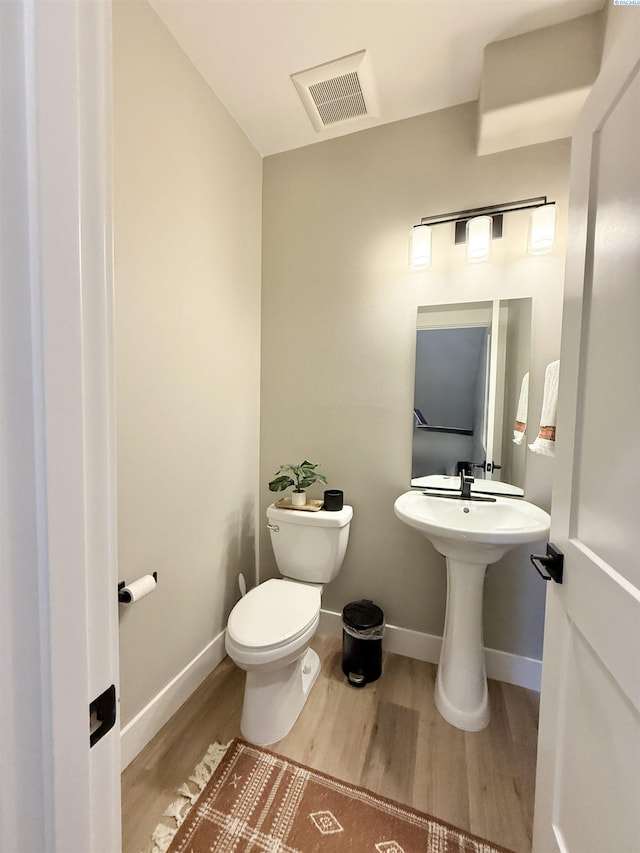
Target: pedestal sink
[(471, 534)]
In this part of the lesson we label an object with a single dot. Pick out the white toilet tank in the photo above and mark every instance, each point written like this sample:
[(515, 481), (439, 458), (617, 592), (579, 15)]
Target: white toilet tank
[(309, 546)]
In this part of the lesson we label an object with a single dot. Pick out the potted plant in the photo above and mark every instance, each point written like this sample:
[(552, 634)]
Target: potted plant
[(300, 476)]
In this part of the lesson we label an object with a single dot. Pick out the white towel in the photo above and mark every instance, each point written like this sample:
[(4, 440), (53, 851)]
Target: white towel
[(546, 441), (520, 426)]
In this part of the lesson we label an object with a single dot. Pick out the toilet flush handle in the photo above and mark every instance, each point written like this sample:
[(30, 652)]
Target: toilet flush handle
[(273, 527)]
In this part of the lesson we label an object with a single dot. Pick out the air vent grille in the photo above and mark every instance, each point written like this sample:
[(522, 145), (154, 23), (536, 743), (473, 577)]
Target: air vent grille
[(339, 91), (339, 98)]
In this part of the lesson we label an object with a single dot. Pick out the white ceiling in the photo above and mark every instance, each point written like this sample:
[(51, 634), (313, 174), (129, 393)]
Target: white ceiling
[(426, 54)]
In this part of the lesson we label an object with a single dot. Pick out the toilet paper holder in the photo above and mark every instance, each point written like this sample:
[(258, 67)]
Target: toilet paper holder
[(123, 597)]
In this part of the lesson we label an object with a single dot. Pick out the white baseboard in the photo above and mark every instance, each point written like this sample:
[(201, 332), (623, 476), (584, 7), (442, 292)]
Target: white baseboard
[(503, 666), (148, 722), (514, 669)]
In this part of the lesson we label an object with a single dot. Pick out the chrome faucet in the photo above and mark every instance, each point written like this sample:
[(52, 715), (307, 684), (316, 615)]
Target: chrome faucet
[(465, 484)]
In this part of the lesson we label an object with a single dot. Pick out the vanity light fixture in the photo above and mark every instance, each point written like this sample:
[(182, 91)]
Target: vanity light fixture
[(420, 247), (542, 230), (479, 238), (478, 226)]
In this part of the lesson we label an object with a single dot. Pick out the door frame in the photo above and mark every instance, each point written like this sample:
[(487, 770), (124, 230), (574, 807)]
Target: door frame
[(59, 524), (603, 97)]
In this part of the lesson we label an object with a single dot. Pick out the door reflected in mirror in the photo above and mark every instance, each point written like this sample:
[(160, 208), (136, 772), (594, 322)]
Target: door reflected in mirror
[(471, 359)]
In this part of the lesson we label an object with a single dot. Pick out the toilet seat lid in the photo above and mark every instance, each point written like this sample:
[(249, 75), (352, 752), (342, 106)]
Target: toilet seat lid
[(273, 613)]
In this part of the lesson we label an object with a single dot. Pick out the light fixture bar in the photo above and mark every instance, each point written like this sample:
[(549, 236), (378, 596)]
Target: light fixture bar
[(490, 210), (480, 225)]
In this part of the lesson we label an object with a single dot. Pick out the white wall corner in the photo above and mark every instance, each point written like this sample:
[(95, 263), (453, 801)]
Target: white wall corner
[(148, 722), (502, 666)]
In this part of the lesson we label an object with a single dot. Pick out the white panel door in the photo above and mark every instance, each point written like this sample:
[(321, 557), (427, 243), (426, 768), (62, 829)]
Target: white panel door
[(58, 597), (588, 779)]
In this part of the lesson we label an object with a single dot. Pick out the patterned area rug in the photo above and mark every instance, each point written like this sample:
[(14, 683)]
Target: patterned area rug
[(258, 801)]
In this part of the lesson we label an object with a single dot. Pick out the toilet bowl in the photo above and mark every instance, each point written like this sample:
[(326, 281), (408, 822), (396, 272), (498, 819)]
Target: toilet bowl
[(268, 635), (270, 629)]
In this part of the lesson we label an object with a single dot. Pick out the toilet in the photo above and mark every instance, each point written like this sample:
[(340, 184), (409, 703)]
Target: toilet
[(270, 629)]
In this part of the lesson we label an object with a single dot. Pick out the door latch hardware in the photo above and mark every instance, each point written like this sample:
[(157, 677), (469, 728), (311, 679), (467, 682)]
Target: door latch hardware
[(102, 715), (552, 563)]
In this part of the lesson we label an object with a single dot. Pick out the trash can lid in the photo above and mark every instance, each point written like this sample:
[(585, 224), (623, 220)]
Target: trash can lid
[(362, 614)]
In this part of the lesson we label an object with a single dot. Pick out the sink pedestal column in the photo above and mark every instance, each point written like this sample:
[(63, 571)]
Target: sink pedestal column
[(461, 684)]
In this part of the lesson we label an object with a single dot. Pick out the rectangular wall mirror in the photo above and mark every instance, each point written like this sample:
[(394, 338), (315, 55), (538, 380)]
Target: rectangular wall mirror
[(470, 362)]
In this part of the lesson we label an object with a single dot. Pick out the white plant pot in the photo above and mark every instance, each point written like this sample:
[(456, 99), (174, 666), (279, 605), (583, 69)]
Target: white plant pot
[(298, 498)]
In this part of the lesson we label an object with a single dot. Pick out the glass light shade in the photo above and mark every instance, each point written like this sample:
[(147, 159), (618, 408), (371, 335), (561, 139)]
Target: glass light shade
[(420, 247), (479, 238), (542, 230)]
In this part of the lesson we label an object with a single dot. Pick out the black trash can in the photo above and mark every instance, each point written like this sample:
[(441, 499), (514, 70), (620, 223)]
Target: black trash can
[(362, 632)]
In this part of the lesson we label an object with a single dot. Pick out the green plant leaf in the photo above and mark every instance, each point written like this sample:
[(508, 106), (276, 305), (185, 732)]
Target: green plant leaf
[(304, 475), (305, 482), (279, 484)]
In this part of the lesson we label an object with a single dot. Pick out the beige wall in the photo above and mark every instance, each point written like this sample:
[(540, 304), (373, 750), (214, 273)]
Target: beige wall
[(617, 20), (187, 281), (338, 325)]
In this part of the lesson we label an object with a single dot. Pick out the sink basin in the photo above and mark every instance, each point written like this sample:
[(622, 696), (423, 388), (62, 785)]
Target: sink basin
[(473, 531), (470, 534)]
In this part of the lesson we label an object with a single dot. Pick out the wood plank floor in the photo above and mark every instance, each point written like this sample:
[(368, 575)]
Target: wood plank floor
[(386, 736)]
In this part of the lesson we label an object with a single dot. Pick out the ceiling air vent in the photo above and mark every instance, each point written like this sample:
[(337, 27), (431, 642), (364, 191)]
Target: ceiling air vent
[(338, 92)]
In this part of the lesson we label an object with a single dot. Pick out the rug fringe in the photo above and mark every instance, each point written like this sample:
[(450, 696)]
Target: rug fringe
[(178, 809)]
